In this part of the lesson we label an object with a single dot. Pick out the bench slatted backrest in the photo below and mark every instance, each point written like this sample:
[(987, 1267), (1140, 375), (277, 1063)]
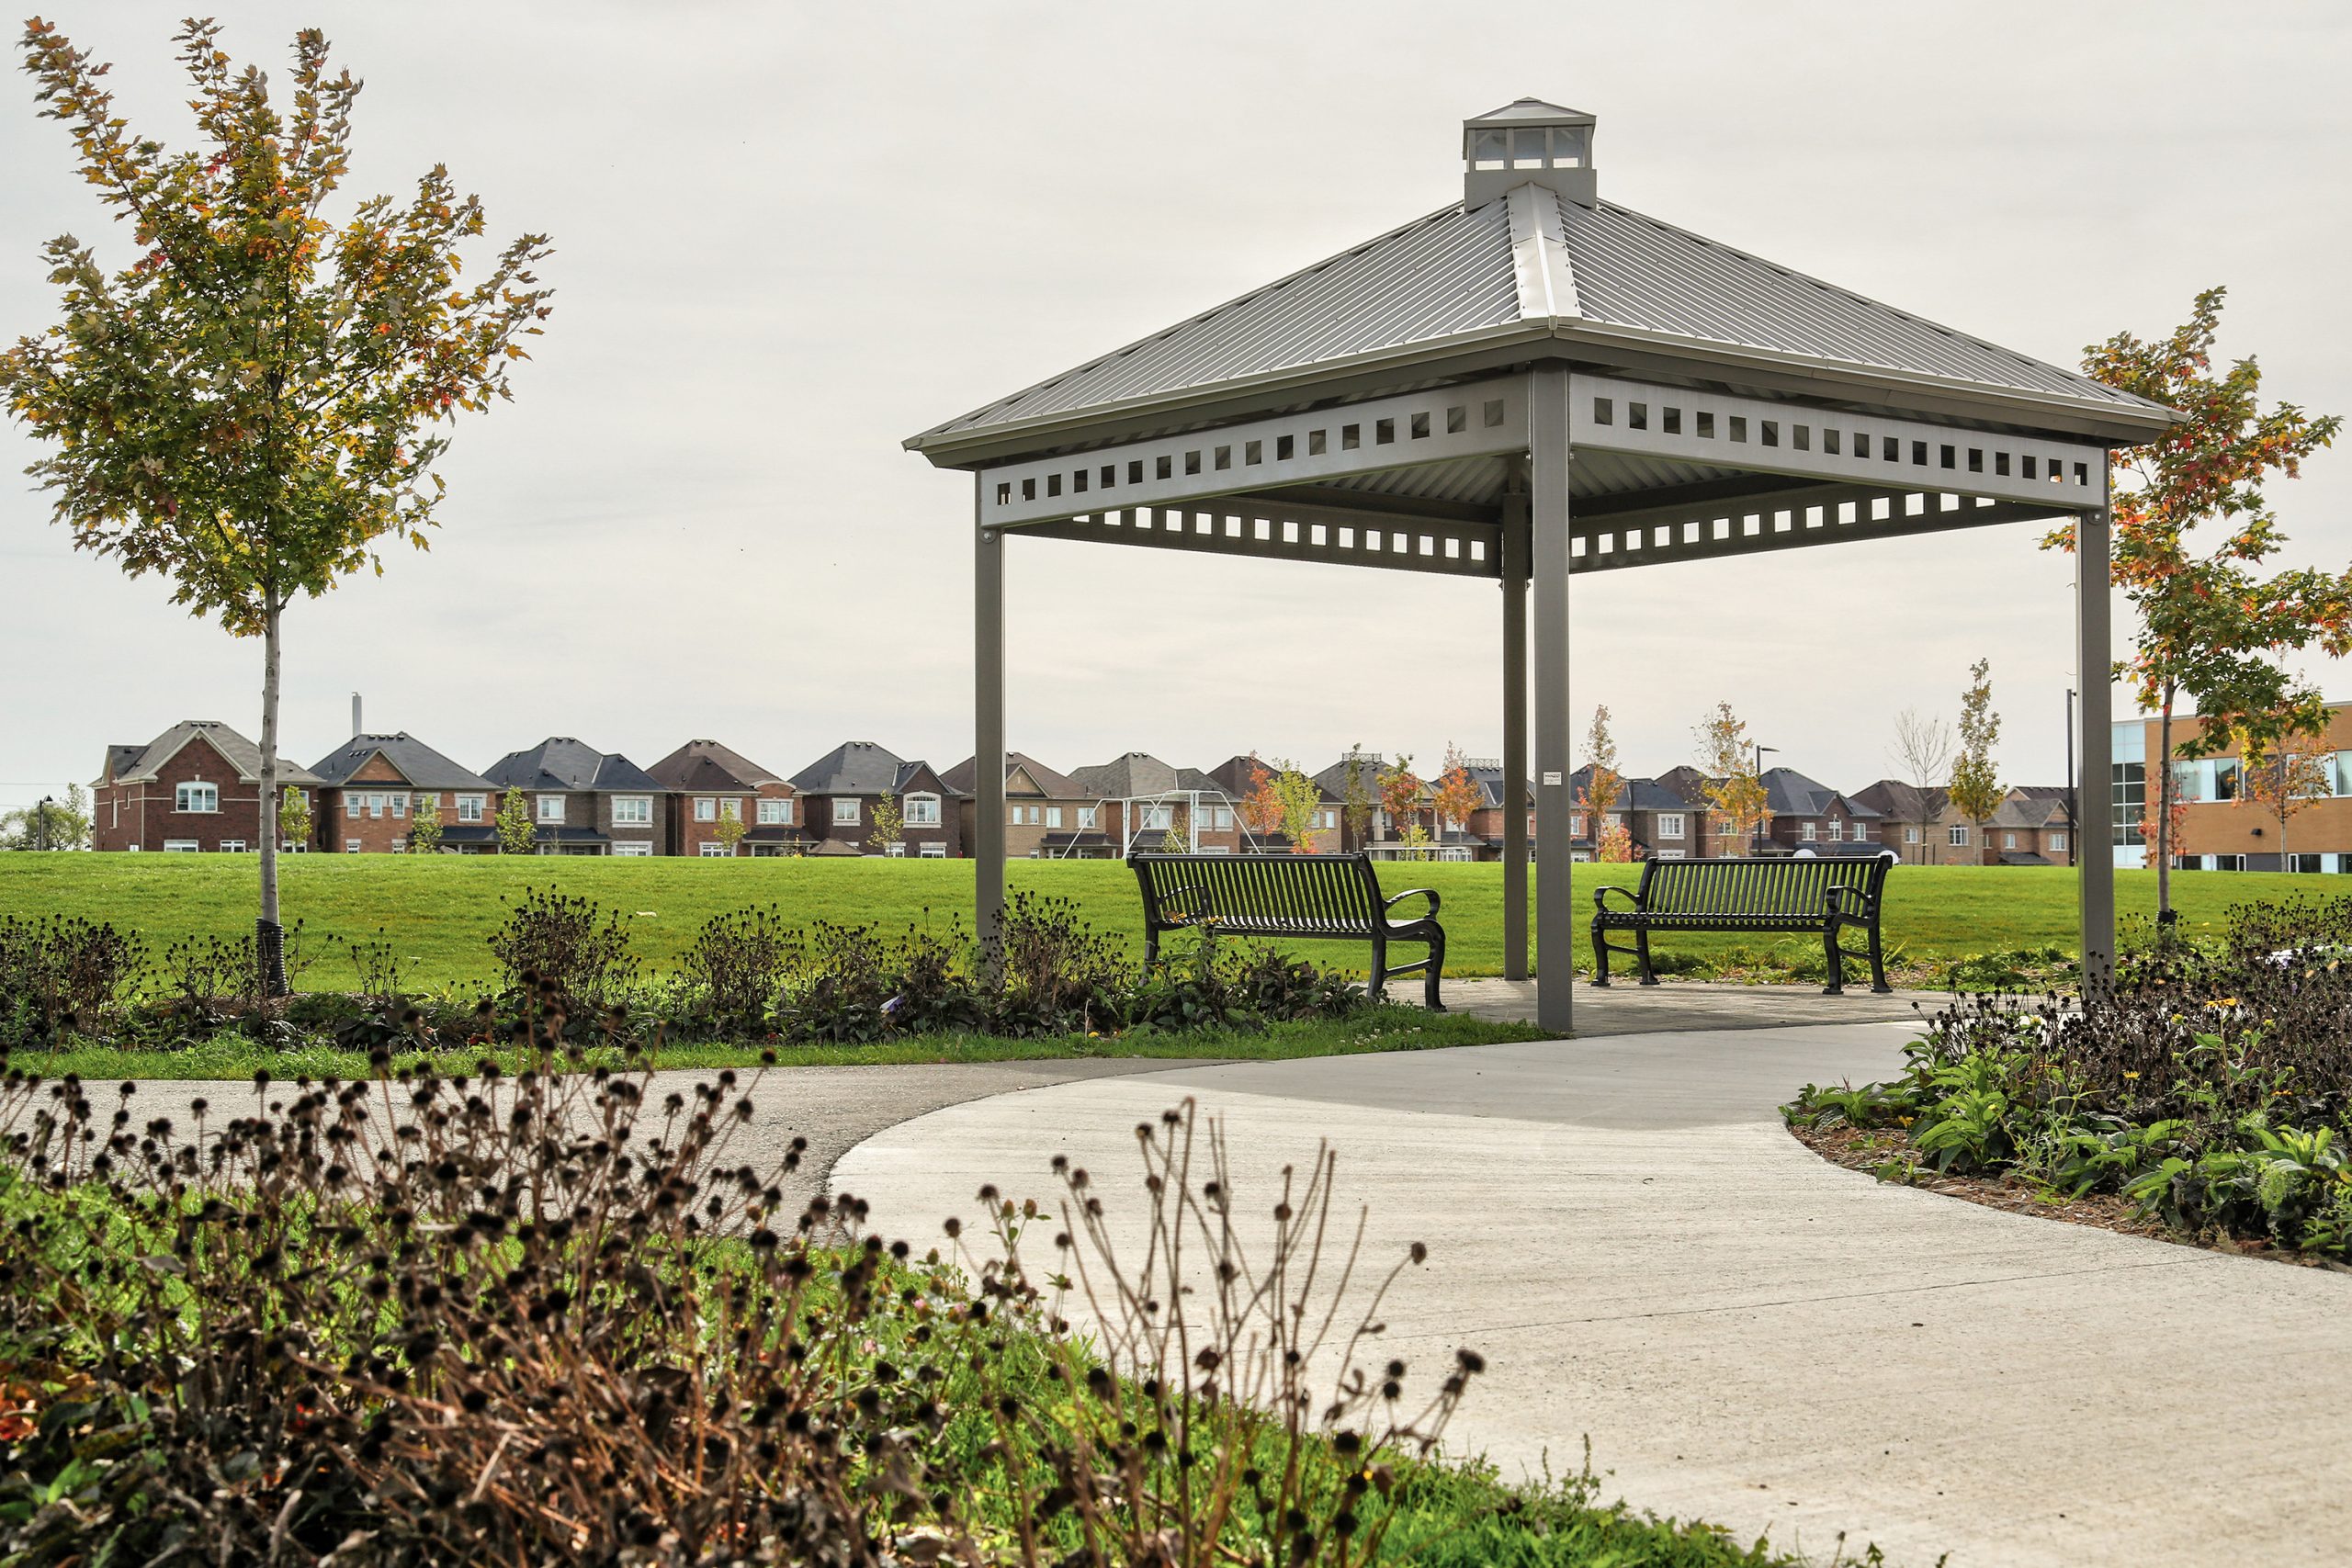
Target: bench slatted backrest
[(1318, 892), (1762, 887)]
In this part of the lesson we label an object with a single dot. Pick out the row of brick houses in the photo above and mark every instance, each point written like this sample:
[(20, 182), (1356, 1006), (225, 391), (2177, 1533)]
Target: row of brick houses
[(195, 788)]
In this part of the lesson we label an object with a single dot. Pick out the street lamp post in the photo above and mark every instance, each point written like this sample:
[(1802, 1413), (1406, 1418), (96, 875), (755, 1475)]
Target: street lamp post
[(40, 830), (1755, 839)]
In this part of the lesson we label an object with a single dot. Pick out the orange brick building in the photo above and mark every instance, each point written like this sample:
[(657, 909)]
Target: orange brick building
[(2221, 828)]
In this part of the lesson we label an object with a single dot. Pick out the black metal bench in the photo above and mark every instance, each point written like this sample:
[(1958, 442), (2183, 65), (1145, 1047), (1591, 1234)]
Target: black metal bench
[(1763, 893), (1317, 898)]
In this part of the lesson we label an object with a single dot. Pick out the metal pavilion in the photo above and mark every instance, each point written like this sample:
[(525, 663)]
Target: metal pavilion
[(1532, 384)]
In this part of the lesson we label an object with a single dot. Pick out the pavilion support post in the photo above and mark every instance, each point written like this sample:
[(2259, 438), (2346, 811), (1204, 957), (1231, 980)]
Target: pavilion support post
[(1549, 556), (1514, 786), (987, 707), (2095, 829)]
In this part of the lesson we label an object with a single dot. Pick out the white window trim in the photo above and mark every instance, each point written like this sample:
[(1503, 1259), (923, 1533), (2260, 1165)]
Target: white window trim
[(470, 807), (632, 852), (181, 847), (232, 846), (1810, 831), (931, 851), (641, 808), (544, 802), (180, 792), (775, 813), (713, 850), (706, 808), (1670, 824), (855, 806), (928, 818)]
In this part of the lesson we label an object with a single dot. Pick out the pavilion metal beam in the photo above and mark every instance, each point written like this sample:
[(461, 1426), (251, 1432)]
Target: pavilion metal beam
[(1723, 429), (2094, 823), (1272, 532), (1550, 559), (1611, 545)]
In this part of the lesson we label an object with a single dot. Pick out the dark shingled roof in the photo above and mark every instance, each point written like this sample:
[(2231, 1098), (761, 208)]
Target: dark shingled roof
[(860, 767), (964, 776), (128, 763), (560, 763), (420, 764), (708, 765)]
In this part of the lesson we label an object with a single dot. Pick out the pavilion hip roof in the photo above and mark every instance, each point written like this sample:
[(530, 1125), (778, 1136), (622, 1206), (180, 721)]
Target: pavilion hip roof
[(1528, 265)]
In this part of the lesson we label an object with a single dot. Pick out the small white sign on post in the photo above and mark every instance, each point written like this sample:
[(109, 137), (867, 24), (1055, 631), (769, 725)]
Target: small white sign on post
[(1551, 778)]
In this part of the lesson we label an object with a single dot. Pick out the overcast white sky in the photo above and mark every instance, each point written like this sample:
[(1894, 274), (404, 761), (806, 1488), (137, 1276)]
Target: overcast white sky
[(789, 235)]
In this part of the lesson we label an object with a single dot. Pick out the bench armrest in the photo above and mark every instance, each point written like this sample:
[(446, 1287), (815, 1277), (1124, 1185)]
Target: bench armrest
[(1837, 896), (1428, 893), (1627, 894)]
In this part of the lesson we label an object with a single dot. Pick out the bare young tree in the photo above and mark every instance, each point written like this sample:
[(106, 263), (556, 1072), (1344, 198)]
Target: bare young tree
[(1923, 749)]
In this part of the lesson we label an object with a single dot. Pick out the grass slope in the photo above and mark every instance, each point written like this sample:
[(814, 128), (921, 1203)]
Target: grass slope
[(438, 911)]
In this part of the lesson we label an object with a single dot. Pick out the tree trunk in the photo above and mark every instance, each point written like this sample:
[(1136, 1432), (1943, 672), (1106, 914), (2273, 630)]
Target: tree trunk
[(269, 932), (2164, 819)]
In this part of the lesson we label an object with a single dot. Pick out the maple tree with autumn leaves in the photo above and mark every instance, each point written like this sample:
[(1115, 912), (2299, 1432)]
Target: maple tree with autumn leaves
[(247, 407), (2193, 528)]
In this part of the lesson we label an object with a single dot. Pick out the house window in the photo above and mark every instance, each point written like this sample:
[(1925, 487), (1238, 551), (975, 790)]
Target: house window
[(1575, 825), (2229, 863), (195, 798), (844, 811), (351, 804), (550, 809), (923, 811), (633, 852), (1327, 820), (2302, 863), (1670, 825), (1222, 819), (1960, 835), (775, 811), (1837, 830), (730, 810), (470, 807), (1859, 832), (1811, 831), (1086, 816), (2058, 843), (706, 809), (2009, 841), (934, 852), (399, 805), (232, 846), (1053, 816), (350, 846), (1910, 835), (712, 849), (1159, 819), (632, 811), (375, 805), (896, 849)]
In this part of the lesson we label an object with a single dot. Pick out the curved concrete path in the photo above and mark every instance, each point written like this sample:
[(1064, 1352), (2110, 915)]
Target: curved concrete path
[(1746, 1333)]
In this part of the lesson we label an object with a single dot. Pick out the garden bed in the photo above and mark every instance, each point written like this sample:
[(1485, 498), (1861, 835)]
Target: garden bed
[(2202, 1092)]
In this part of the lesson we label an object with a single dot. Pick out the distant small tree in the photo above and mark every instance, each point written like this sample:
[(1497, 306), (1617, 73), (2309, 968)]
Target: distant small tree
[(1178, 839), (2162, 817), (1359, 794), (1976, 788), (889, 823), (1923, 748), (1301, 802), (730, 826), (49, 824), (517, 834), (294, 816), (425, 826), (1402, 796), (1261, 808), (248, 407), (1605, 789), (1457, 794), (2285, 776), (1740, 803)]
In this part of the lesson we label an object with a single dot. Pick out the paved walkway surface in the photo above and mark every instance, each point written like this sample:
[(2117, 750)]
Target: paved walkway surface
[(1627, 1008), (1748, 1334)]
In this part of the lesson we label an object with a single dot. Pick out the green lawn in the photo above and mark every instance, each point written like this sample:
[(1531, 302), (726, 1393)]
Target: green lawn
[(437, 911)]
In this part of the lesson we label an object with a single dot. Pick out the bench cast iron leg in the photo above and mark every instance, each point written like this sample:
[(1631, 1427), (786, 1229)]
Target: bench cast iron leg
[(1836, 987), (1599, 956), (1379, 986), (1429, 977), (1878, 964), (1642, 952)]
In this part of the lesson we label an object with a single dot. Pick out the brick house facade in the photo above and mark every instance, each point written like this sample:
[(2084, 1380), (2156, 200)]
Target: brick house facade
[(583, 801), (1048, 816), (194, 788), (709, 785), (840, 790), (372, 786)]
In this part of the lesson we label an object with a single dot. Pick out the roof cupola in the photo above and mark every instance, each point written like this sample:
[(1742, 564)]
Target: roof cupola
[(1528, 143)]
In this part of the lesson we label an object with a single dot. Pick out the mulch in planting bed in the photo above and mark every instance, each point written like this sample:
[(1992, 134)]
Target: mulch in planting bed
[(1867, 1151)]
